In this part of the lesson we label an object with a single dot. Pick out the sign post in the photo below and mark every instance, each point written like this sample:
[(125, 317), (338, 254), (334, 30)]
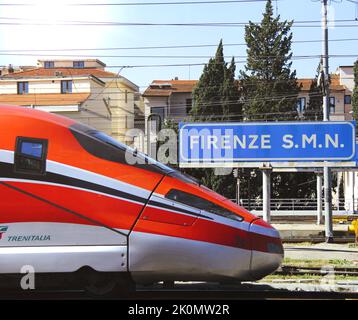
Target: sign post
[(319, 198), (266, 193)]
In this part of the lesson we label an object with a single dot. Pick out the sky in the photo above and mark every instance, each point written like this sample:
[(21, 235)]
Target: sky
[(49, 35)]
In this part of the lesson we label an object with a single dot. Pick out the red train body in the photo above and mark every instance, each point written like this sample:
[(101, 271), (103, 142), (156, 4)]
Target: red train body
[(69, 199)]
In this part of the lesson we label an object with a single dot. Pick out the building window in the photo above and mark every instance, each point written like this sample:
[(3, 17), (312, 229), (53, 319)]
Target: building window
[(332, 104), (301, 105), (78, 64), (347, 99), (126, 96), (159, 111), (49, 64), (189, 105), (22, 87), (66, 86)]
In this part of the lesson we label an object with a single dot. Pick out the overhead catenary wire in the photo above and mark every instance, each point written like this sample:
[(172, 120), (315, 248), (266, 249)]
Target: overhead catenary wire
[(181, 56), (149, 3), (160, 47), (183, 105), (74, 77), (42, 22)]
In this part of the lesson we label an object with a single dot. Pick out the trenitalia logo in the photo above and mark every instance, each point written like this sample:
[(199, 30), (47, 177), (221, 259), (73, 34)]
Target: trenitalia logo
[(3, 229)]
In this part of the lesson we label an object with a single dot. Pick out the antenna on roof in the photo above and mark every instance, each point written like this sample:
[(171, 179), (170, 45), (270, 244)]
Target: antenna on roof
[(10, 68)]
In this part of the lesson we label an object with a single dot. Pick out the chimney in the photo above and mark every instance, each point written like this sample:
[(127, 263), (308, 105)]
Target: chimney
[(176, 78), (10, 68)]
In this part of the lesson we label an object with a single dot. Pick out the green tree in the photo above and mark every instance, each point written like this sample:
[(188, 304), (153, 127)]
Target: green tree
[(355, 92), (216, 95), (216, 98), (314, 110), (269, 86)]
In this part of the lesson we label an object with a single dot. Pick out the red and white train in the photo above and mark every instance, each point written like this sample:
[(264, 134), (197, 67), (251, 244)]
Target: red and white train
[(70, 201)]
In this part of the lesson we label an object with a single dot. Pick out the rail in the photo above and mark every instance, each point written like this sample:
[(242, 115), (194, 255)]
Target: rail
[(298, 205)]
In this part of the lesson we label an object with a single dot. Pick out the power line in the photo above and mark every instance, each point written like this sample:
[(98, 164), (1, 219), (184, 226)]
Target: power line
[(252, 83), (184, 105), (204, 63), (41, 22), (156, 56), (89, 4), (161, 47)]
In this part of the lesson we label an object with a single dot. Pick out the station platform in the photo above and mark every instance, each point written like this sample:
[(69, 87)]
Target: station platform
[(310, 232)]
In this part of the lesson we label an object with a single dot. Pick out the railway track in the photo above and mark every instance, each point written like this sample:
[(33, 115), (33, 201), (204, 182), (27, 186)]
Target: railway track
[(319, 271), (187, 291)]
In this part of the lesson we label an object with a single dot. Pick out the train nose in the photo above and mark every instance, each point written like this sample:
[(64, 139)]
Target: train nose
[(267, 249)]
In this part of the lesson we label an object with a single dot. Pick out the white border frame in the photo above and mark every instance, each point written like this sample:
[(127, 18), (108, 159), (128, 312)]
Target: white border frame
[(183, 160)]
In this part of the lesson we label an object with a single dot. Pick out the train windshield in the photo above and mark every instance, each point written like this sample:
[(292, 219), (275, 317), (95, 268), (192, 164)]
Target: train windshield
[(105, 147), (170, 171), (113, 142)]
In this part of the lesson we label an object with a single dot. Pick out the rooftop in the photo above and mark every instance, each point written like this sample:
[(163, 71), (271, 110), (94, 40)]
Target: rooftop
[(44, 99), (55, 72), (66, 60), (164, 88)]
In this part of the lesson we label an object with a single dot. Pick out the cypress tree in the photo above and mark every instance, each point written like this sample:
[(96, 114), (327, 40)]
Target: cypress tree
[(314, 110), (216, 98), (216, 95), (269, 86)]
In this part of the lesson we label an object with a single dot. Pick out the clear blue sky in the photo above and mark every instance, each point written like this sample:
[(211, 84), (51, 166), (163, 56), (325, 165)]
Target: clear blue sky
[(65, 37)]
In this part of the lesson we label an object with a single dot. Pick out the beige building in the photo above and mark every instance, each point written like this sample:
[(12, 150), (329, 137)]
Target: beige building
[(79, 89), (169, 98)]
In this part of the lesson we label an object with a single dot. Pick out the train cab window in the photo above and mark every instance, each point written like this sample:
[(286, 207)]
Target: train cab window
[(105, 147), (30, 155), (200, 203)]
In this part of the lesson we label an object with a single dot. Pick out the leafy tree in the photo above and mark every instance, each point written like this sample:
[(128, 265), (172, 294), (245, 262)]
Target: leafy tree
[(269, 86), (355, 92)]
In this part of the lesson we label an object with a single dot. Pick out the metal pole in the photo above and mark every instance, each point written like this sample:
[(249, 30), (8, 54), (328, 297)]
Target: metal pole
[(326, 170), (353, 184), (319, 199), (158, 123), (266, 190), (249, 191), (238, 190)]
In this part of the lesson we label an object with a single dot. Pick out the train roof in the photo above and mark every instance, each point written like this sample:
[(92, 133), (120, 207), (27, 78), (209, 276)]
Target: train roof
[(31, 113), (74, 126)]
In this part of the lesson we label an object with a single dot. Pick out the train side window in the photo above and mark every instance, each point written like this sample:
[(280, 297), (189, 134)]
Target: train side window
[(200, 203), (30, 155)]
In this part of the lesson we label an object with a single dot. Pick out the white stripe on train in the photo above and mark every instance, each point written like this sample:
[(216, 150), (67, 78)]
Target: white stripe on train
[(88, 176)]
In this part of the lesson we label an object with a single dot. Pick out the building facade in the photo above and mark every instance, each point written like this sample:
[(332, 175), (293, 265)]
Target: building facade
[(79, 89), (173, 98)]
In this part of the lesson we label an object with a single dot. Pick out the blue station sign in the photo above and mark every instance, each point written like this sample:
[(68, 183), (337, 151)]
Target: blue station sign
[(275, 141)]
